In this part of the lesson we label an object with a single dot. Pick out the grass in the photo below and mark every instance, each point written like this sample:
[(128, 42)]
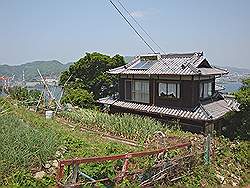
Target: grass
[(129, 126), (23, 146), (29, 140)]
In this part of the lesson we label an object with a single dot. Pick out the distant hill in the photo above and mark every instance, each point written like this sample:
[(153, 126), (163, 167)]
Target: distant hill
[(54, 68), (47, 68), (236, 70)]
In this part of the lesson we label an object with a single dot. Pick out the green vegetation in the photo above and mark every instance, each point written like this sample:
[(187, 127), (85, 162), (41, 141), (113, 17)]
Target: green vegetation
[(36, 140), (28, 140), (79, 97), (89, 73), (22, 146), (29, 97), (133, 127), (238, 123), (47, 68), (229, 167)]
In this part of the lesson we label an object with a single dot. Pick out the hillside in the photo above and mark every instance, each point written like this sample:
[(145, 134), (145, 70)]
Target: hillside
[(32, 147), (54, 68), (47, 68)]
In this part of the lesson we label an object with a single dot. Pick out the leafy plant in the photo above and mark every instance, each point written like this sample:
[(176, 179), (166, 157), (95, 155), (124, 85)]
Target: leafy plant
[(133, 127), (89, 73)]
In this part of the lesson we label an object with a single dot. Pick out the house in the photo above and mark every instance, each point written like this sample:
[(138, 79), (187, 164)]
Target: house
[(172, 87)]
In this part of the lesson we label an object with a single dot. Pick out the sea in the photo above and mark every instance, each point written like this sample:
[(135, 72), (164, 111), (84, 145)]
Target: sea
[(230, 87)]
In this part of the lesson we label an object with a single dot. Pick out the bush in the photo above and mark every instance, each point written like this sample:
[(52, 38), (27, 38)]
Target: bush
[(23, 94), (238, 123), (79, 97)]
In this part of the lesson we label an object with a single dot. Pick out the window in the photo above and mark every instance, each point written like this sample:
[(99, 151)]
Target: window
[(205, 90), (140, 91), (170, 90)]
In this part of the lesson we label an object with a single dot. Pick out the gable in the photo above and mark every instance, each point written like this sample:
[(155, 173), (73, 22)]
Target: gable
[(204, 64)]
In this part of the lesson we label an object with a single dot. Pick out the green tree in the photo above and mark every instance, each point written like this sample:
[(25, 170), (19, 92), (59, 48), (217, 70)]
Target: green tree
[(238, 123), (90, 73), (78, 97)]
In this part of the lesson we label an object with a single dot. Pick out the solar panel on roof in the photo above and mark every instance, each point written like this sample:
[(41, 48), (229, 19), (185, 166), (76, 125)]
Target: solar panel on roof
[(142, 65), (138, 65)]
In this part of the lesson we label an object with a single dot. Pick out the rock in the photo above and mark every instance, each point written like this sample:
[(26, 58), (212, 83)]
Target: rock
[(58, 154), (39, 175), (233, 176), (63, 150), (221, 178), (52, 171), (234, 184), (47, 165), (55, 163)]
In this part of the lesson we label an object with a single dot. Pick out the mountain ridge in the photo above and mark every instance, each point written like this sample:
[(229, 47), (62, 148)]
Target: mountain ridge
[(53, 68)]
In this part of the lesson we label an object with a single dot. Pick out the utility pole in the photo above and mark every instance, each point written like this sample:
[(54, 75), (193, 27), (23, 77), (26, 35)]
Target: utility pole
[(23, 80)]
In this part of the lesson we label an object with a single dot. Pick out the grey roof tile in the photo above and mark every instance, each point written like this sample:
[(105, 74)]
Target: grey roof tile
[(170, 64), (205, 111)]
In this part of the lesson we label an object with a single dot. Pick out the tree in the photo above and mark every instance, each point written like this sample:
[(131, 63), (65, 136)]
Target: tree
[(90, 73), (238, 123), (78, 97)]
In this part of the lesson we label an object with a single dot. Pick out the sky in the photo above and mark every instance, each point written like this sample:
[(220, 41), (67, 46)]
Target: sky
[(66, 29)]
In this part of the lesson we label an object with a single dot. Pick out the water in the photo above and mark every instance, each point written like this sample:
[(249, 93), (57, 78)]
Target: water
[(231, 87)]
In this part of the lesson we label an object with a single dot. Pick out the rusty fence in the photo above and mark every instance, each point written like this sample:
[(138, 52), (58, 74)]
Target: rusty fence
[(160, 170)]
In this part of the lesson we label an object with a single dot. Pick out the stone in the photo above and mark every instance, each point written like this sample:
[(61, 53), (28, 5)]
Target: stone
[(55, 163), (52, 171), (39, 175), (221, 178), (234, 184), (47, 165), (58, 154)]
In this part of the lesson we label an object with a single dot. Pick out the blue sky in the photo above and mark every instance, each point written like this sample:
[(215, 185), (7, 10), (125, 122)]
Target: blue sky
[(66, 29)]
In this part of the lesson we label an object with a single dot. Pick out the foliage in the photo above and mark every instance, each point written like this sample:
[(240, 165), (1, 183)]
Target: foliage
[(231, 157), (125, 125), (47, 68), (23, 146), (238, 123), (33, 144), (89, 73), (78, 97), (23, 178), (23, 94), (231, 162)]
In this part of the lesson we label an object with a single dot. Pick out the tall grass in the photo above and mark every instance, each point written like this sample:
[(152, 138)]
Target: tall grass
[(133, 127), (23, 146)]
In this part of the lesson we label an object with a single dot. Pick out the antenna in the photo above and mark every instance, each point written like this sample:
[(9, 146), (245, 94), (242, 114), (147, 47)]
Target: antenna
[(132, 27)]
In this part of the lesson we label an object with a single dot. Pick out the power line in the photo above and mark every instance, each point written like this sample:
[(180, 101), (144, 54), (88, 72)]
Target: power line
[(160, 58), (132, 27), (141, 27)]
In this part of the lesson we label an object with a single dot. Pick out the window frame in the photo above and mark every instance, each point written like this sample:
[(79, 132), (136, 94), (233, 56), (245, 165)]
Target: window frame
[(177, 87), (144, 95), (206, 86)]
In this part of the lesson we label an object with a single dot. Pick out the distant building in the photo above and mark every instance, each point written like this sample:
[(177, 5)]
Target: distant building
[(4, 81), (170, 87)]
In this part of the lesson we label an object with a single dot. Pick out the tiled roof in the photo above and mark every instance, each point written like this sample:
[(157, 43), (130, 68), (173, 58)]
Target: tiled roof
[(205, 111), (170, 64)]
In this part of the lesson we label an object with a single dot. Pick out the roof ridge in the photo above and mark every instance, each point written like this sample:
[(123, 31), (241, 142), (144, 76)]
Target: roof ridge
[(191, 66), (206, 112)]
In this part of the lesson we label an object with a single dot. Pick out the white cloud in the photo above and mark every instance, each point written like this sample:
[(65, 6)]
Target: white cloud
[(138, 14), (143, 13)]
